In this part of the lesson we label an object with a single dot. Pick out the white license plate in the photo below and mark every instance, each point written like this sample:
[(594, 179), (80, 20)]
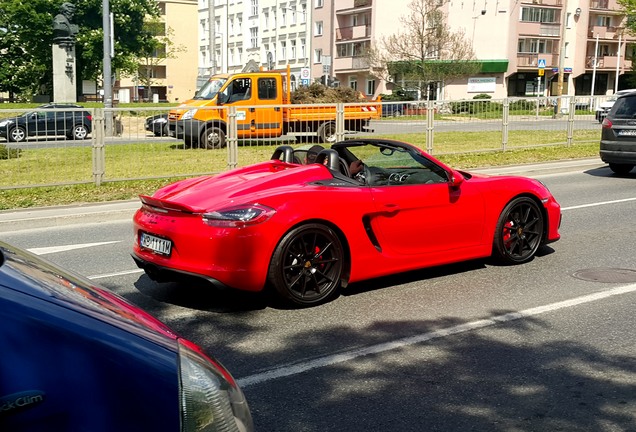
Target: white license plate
[(155, 244), (627, 132)]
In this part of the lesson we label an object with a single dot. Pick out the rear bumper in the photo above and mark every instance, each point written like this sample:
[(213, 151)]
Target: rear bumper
[(618, 152)]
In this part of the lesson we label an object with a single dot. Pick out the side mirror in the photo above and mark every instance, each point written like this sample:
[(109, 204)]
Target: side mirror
[(456, 179), (221, 98)]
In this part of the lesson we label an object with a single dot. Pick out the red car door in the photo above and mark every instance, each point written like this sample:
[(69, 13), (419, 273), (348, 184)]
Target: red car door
[(429, 218)]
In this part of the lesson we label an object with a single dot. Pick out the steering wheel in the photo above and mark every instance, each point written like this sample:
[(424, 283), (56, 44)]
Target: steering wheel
[(364, 176)]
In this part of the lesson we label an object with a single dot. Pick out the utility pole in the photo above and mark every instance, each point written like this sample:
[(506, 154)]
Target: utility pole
[(212, 36), (561, 58), (107, 72)]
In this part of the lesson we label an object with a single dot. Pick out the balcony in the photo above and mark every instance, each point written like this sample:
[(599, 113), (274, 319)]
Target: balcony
[(352, 6), (539, 29), (349, 33), (544, 2), (531, 60), (608, 62), (605, 32), (604, 5), (350, 63)]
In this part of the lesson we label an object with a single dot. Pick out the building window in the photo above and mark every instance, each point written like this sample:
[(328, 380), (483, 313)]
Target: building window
[(318, 56), (319, 3), (303, 49), (239, 25), (353, 83), (254, 37), (303, 16), (283, 50), (254, 8), (603, 21), (540, 15), (318, 28), (542, 46), (265, 20), (293, 49), (566, 49), (370, 87)]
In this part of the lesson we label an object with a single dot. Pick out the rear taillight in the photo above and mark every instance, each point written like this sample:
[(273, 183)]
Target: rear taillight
[(89, 117), (607, 123)]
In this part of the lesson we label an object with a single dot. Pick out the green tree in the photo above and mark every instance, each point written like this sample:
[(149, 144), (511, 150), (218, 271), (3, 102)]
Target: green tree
[(26, 32), (154, 54), (425, 50)]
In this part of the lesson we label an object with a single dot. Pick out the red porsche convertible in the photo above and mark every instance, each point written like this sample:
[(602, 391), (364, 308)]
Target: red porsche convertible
[(305, 225)]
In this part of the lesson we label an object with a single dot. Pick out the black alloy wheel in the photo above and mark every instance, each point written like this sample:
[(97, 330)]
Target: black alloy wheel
[(307, 264), (519, 231)]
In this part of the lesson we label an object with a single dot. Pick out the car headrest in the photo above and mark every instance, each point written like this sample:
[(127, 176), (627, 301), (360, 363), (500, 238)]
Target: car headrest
[(332, 158)]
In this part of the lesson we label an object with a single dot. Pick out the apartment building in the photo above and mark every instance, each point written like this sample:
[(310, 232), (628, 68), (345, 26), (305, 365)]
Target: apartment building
[(518, 43), (584, 40), (173, 77), (237, 36)]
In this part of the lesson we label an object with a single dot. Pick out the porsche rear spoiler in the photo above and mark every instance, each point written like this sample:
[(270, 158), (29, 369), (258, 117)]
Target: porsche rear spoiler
[(166, 205)]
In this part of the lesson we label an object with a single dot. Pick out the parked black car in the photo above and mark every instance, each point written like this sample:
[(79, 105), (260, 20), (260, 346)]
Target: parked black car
[(54, 119), (393, 109), (158, 124), (618, 135)]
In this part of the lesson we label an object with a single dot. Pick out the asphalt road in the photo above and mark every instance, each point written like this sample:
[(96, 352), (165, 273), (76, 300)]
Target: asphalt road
[(544, 346)]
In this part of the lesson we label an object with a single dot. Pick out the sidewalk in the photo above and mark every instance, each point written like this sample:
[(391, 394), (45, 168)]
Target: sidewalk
[(16, 220)]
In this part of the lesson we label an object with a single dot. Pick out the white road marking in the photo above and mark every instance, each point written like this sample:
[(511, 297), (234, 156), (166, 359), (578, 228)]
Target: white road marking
[(54, 249), (598, 204), (121, 273), (295, 369)]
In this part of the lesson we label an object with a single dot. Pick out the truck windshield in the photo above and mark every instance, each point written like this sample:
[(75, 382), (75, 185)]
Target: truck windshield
[(210, 89)]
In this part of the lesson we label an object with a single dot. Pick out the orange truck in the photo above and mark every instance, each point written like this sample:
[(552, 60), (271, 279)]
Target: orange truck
[(263, 110)]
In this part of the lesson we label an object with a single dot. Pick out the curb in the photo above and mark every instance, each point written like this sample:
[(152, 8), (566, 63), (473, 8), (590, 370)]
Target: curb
[(17, 220)]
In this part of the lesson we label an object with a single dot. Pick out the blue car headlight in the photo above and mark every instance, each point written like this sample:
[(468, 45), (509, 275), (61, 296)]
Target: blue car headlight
[(210, 398)]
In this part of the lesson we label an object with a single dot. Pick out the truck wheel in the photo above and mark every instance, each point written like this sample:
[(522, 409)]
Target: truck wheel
[(212, 138), (327, 132)]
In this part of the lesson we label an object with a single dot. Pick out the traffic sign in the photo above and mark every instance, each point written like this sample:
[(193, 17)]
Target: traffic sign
[(304, 82), (541, 72), (305, 73), (541, 63)]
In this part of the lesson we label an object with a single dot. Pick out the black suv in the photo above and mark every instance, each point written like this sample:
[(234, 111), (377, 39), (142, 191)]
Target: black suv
[(618, 135), (50, 120)]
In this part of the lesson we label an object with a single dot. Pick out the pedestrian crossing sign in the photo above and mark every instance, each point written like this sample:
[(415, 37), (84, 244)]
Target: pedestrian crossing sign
[(541, 63)]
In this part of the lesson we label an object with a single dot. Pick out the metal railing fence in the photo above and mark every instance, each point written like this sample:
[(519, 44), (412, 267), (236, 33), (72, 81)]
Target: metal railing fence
[(136, 149)]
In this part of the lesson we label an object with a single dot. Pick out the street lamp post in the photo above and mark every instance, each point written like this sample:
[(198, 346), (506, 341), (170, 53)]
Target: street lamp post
[(107, 72), (594, 66)]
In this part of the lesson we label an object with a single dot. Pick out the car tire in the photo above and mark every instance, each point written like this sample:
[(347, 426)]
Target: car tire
[(519, 231), (78, 132), (621, 169), (17, 134), (212, 138), (397, 113), (327, 132), (307, 265)]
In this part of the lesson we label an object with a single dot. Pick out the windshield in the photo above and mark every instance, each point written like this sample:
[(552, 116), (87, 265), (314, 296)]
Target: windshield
[(210, 89)]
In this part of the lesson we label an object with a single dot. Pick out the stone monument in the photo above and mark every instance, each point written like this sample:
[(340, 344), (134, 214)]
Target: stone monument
[(64, 34)]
